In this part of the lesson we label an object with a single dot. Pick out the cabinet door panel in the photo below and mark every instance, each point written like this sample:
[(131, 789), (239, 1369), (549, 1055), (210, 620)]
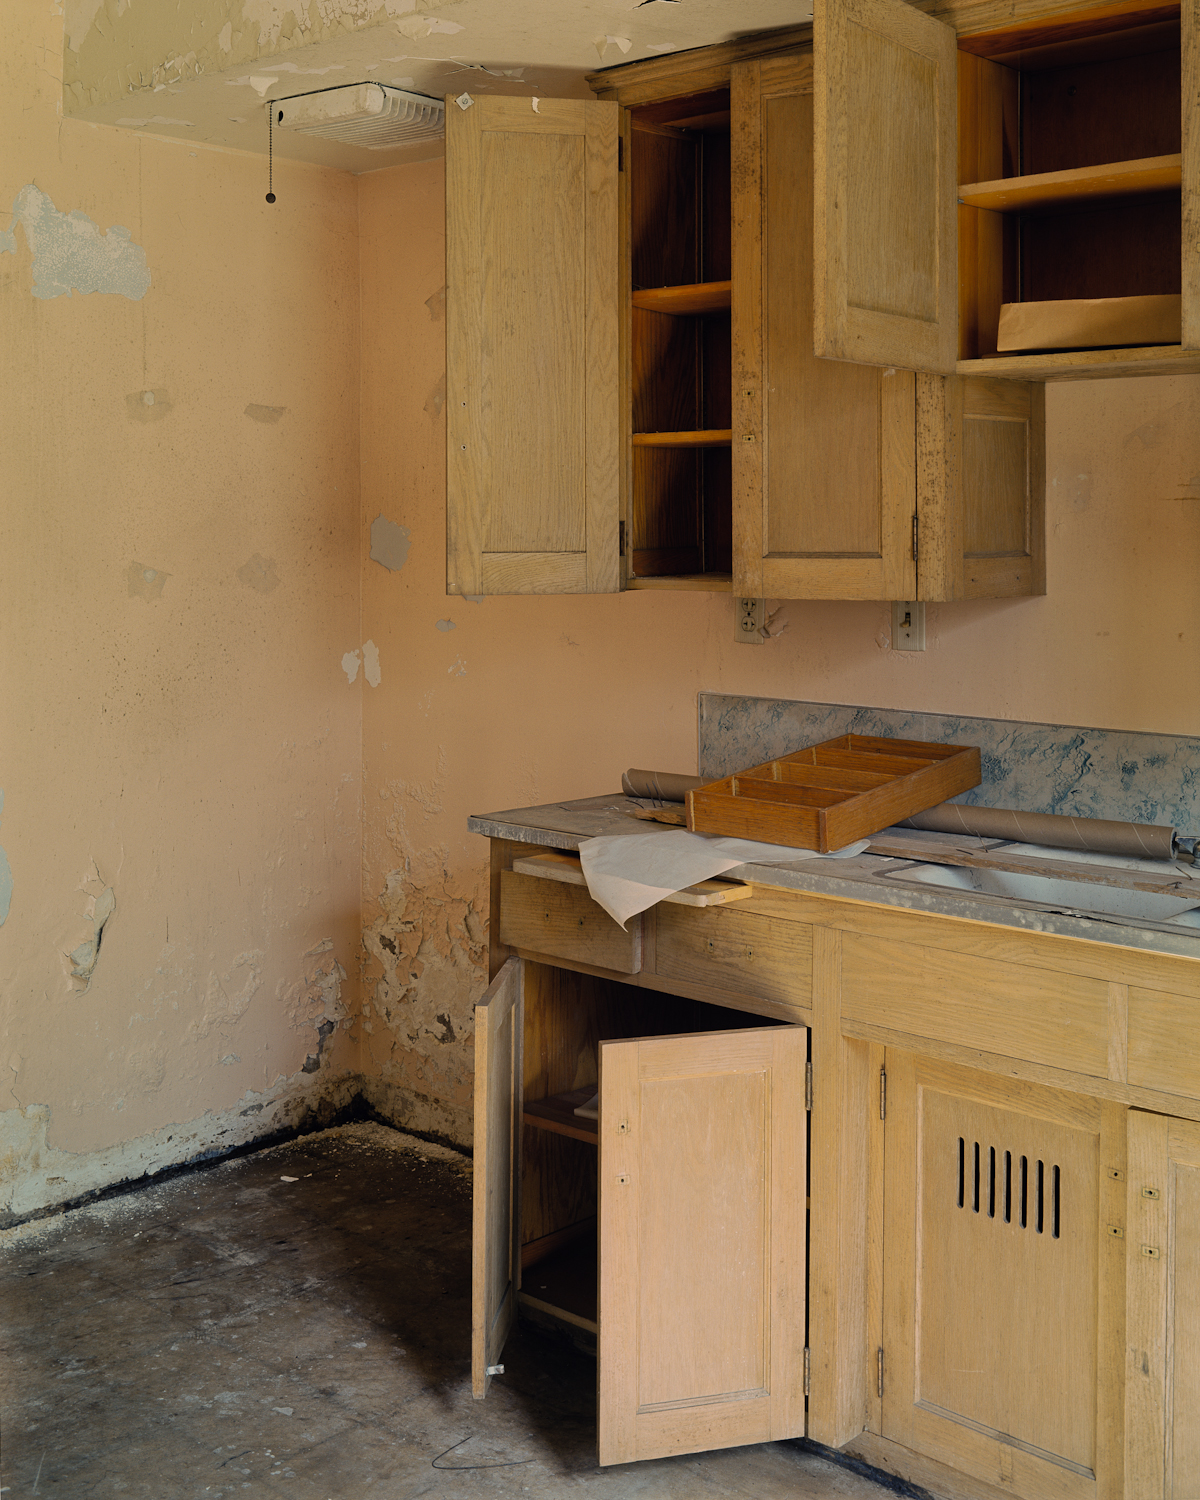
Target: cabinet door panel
[(532, 326), (981, 488), (1162, 1445), (885, 212), (496, 1229), (702, 1241), (997, 1274), (824, 452)]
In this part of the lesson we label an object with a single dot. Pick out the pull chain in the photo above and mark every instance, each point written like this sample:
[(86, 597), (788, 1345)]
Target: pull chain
[(270, 152)]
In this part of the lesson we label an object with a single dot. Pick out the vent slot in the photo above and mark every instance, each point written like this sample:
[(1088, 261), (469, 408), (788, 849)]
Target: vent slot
[(984, 1190)]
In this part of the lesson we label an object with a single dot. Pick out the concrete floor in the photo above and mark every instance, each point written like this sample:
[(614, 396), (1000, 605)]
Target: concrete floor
[(298, 1322)]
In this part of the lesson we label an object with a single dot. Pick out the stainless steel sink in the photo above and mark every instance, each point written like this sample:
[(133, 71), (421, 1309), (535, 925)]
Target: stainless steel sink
[(1058, 894)]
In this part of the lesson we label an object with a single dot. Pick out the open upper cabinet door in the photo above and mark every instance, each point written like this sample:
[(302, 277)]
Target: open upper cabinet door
[(496, 1229), (532, 347), (885, 229), (702, 1242)]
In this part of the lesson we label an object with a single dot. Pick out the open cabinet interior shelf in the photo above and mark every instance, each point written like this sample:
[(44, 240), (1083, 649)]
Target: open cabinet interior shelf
[(1070, 168), (681, 513)]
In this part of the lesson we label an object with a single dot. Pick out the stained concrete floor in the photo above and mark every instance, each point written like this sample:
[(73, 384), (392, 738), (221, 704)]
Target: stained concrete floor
[(297, 1322)]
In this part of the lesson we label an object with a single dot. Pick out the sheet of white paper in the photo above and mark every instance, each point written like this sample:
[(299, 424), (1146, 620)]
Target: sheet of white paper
[(625, 875)]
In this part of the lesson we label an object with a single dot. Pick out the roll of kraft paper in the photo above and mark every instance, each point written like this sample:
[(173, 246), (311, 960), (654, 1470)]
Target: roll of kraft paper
[(1097, 835), (661, 786)]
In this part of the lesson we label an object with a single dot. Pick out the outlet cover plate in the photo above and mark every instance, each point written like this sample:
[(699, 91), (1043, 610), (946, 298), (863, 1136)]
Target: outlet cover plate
[(908, 626), (749, 617)]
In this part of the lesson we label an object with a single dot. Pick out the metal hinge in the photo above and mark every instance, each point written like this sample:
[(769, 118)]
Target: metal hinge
[(621, 539), (808, 1084), (883, 1093), (879, 1374), (806, 1369), (916, 535)]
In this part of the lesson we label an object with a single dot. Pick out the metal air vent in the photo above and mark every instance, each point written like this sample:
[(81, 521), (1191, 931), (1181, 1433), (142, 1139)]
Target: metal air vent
[(362, 114)]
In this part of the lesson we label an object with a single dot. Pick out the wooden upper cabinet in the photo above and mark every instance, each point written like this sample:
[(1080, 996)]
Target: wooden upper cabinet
[(532, 347), (823, 452), (885, 268)]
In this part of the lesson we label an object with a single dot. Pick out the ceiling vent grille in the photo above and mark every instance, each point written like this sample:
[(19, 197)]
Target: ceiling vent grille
[(362, 114)]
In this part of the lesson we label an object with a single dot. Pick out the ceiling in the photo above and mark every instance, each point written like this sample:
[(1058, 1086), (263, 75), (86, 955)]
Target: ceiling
[(203, 70)]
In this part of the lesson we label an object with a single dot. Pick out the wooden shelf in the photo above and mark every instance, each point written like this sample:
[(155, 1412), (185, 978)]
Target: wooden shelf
[(564, 1284), (703, 297), (557, 1114), (1150, 174), (716, 438)]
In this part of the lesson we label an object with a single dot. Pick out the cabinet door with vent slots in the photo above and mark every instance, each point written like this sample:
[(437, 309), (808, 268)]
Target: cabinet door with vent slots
[(532, 347), (1002, 1283)]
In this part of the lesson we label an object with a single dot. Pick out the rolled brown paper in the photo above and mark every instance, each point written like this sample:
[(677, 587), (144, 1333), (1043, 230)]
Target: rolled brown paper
[(1098, 835), (663, 786)]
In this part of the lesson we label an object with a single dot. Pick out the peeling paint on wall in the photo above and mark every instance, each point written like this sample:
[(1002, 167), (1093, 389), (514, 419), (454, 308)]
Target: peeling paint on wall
[(6, 879), (101, 907), (144, 582), (70, 254), (269, 414), (436, 399), (437, 303), (445, 625), (148, 406), (389, 543), (259, 574), (371, 663), (350, 665)]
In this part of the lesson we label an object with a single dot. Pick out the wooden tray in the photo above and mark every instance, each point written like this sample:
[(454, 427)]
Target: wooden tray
[(830, 794)]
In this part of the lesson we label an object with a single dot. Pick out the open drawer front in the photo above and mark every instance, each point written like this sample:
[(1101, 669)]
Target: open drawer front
[(688, 1198)]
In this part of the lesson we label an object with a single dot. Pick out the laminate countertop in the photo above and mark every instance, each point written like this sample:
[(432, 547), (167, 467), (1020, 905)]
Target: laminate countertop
[(896, 878)]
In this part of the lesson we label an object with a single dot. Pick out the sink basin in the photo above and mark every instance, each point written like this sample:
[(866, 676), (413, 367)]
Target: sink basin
[(1056, 894)]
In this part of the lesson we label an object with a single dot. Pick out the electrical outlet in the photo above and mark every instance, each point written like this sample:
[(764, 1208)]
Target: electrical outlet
[(750, 615), (908, 627)]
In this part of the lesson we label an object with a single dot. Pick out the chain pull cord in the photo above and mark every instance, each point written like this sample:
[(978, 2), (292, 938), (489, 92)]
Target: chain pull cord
[(271, 152)]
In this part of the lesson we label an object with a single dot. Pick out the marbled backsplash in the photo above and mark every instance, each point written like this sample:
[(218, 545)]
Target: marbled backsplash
[(1049, 768)]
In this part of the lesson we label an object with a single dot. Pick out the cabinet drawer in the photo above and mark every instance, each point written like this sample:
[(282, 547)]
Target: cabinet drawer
[(562, 921), (733, 949)]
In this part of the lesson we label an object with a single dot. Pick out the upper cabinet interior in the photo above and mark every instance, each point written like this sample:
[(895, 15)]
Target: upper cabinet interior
[(680, 518), (1077, 170)]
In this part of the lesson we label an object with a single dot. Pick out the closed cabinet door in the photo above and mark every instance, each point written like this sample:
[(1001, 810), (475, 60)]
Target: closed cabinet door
[(532, 347), (702, 1242), (1003, 1280), (823, 452), (1162, 1437)]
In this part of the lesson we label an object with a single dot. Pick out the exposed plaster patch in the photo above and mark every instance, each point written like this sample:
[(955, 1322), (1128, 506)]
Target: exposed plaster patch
[(416, 27), (259, 84), (70, 254), (437, 305), (446, 625), (474, 598), (264, 413), (148, 406), (371, 663), (389, 543), (350, 665), (227, 996), (6, 879), (436, 399), (225, 37), (144, 582), (259, 574)]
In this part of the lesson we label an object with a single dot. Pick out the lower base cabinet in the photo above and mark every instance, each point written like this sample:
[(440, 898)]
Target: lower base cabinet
[(694, 1230), (978, 1271)]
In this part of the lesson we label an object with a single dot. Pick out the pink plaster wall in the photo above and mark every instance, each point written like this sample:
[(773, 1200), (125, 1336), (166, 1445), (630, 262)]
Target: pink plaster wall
[(527, 700)]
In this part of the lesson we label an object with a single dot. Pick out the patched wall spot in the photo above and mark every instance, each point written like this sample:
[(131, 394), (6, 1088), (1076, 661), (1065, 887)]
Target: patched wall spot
[(371, 663), (148, 406), (389, 543), (144, 582), (269, 414), (446, 625), (259, 574), (350, 665)]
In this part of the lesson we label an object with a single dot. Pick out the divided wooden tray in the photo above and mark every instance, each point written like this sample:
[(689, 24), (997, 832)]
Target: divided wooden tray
[(830, 794)]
